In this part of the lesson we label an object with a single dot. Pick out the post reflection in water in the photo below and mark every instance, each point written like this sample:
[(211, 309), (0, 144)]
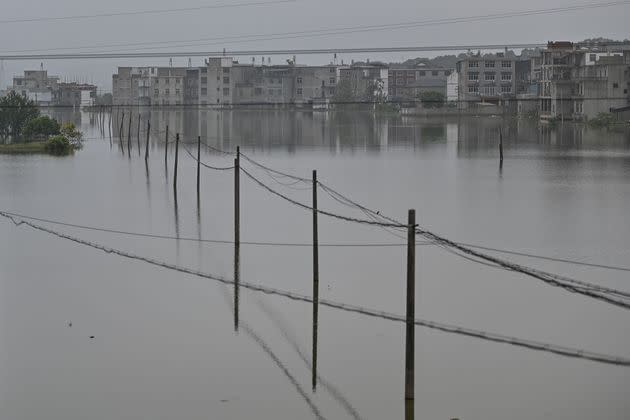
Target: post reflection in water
[(409, 409), (236, 283)]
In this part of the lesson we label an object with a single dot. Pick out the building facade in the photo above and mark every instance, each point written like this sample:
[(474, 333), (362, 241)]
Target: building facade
[(409, 83), (489, 78), (37, 86), (224, 82), (367, 81)]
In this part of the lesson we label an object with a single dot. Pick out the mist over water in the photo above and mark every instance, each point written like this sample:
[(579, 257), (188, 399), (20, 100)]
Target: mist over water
[(165, 345)]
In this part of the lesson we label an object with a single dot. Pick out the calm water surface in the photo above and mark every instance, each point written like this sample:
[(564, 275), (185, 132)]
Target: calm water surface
[(164, 343)]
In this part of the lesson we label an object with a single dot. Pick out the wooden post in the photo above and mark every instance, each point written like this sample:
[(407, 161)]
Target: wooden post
[(237, 198), (176, 159), (411, 312), (166, 147), (146, 150), (315, 283), (129, 136), (500, 146), (236, 283), (198, 162)]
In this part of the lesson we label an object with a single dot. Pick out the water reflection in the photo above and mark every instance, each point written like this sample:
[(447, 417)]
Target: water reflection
[(341, 131)]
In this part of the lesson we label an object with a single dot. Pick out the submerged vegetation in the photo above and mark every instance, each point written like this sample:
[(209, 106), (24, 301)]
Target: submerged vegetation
[(30, 132)]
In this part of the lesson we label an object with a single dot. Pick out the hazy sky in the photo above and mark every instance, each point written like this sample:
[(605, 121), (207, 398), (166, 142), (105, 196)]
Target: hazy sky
[(300, 15)]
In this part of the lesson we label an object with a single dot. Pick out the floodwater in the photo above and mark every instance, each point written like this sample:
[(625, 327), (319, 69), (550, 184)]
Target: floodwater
[(165, 344)]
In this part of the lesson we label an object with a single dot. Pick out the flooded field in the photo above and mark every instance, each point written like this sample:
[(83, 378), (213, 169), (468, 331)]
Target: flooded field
[(164, 343)]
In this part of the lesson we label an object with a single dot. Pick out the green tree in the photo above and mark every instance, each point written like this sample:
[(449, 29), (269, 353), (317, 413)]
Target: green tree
[(41, 128), (344, 93), (15, 112), (432, 99), (58, 145)]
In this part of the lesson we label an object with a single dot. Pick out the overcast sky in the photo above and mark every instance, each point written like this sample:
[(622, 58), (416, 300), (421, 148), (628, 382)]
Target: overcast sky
[(301, 15)]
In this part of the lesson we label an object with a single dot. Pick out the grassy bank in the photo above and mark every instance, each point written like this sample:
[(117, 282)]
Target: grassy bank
[(23, 148)]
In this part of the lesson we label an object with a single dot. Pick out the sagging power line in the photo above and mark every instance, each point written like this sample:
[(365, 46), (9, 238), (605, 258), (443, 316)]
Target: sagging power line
[(609, 295), (323, 32), (487, 336), (145, 12)]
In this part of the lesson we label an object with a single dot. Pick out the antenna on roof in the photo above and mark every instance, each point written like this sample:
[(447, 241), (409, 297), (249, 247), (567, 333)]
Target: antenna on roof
[(189, 62)]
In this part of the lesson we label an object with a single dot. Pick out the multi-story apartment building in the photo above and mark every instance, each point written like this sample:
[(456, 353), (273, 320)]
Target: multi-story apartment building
[(602, 83), (37, 86), (580, 82), (75, 94), (488, 78), (556, 86), (224, 82), (409, 83), (367, 81)]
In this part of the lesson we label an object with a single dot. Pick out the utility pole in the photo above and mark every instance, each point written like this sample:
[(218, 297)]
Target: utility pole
[(411, 303), (315, 282)]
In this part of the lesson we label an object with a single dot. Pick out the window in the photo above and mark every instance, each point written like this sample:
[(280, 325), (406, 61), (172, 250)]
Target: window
[(473, 75), (489, 64), (204, 91), (166, 81), (489, 77), (226, 80), (226, 91), (473, 64), (176, 91), (18, 82), (204, 70), (156, 92), (615, 85), (488, 90), (506, 76), (506, 64), (178, 81), (473, 89), (258, 91), (167, 92), (331, 70), (226, 70), (331, 80), (152, 70), (435, 73), (422, 73), (299, 91), (299, 80), (447, 73), (204, 80), (506, 89), (592, 57), (400, 82)]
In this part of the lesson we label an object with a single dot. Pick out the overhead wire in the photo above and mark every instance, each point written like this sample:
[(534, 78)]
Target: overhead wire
[(529, 344), (144, 12), (235, 39)]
